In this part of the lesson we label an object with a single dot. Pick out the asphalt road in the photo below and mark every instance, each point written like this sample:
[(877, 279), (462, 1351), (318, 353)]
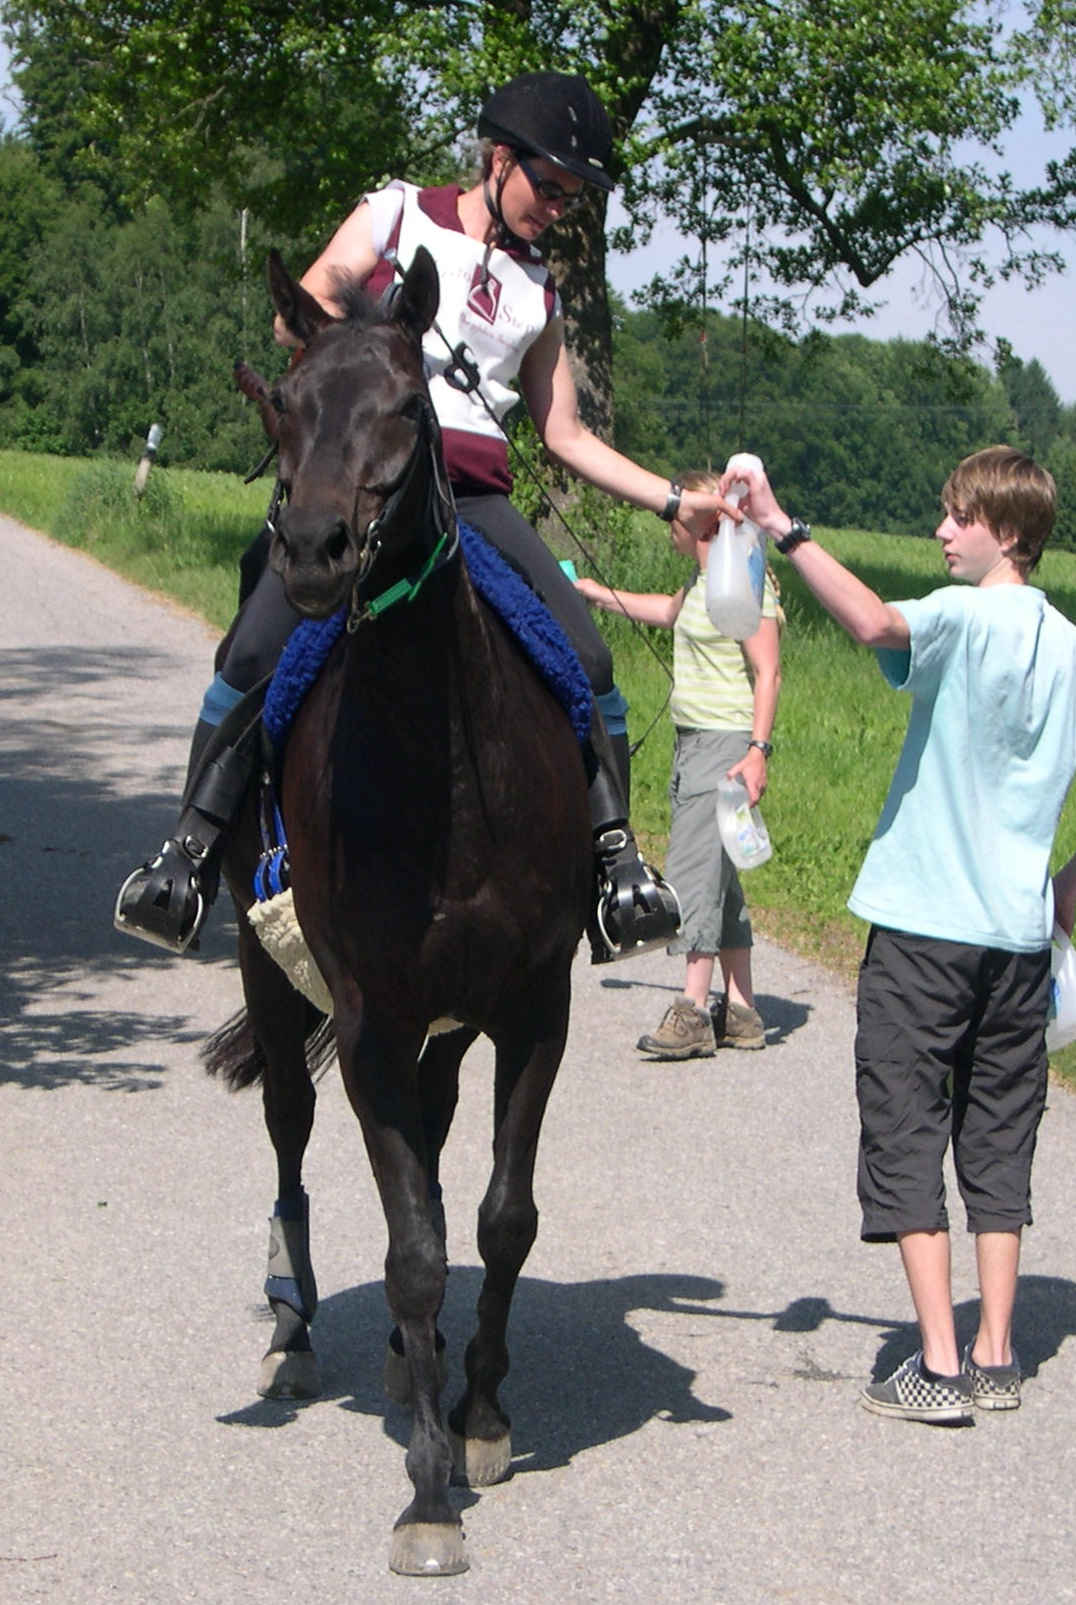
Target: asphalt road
[(689, 1335)]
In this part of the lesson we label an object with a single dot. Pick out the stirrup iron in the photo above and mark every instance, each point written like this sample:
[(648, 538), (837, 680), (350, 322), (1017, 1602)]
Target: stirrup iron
[(637, 908), (163, 901)]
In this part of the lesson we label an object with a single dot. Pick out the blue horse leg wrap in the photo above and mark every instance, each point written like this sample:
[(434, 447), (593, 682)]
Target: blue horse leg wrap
[(291, 1277)]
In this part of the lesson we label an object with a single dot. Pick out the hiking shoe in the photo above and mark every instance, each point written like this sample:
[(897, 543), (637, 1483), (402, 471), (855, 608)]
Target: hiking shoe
[(739, 1027), (915, 1397), (993, 1387), (685, 1033)]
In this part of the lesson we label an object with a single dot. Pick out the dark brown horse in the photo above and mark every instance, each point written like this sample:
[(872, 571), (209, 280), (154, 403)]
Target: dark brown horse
[(434, 797)]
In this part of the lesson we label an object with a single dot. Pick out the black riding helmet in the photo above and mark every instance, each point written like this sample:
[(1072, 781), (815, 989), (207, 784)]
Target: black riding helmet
[(552, 114)]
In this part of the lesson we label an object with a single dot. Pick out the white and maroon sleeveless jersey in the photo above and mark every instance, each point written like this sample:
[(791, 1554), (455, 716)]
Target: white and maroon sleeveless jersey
[(498, 317)]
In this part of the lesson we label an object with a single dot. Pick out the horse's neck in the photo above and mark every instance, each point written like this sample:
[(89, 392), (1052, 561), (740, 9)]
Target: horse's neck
[(444, 636)]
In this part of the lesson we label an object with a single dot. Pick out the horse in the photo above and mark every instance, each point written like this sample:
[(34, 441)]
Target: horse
[(434, 799)]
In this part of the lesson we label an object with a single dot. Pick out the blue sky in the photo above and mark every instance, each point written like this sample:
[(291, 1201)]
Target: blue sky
[(1041, 323)]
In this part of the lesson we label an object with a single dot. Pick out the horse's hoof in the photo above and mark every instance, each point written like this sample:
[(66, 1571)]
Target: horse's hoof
[(428, 1549), (397, 1373), (289, 1375), (480, 1462)]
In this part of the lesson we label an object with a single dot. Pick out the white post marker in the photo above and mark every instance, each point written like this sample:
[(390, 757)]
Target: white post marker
[(145, 462)]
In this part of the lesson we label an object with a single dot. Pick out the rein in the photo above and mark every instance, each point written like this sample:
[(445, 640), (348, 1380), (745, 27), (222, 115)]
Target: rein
[(462, 373), (439, 512)]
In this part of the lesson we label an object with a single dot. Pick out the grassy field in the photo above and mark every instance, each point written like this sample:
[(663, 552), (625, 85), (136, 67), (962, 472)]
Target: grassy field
[(838, 730)]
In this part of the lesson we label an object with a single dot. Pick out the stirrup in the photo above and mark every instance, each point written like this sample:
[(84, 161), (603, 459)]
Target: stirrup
[(166, 900), (637, 909)]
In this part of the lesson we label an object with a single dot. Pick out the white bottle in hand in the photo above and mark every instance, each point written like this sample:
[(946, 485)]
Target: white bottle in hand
[(743, 834), (736, 570)]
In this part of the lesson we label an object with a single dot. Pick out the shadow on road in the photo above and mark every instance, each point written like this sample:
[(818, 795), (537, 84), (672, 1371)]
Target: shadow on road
[(71, 828), (582, 1375)]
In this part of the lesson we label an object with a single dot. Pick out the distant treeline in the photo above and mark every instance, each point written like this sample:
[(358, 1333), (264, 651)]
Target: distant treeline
[(110, 323), (856, 433)]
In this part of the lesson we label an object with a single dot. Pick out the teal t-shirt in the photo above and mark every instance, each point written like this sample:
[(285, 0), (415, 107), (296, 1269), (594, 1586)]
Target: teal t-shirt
[(962, 848)]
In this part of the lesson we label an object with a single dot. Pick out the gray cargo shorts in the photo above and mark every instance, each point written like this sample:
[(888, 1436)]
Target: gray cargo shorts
[(711, 898)]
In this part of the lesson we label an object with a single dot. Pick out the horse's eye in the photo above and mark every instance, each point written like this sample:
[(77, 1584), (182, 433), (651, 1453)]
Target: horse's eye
[(412, 408), (277, 402)]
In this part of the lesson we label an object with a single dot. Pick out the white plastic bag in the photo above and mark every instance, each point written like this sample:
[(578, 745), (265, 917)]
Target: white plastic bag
[(1061, 1020)]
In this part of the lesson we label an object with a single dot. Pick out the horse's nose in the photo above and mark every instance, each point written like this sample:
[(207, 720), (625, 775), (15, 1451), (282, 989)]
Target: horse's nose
[(336, 542), (315, 558), (311, 542)]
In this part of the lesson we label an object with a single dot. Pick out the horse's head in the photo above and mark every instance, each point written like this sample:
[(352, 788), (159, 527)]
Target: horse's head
[(359, 450)]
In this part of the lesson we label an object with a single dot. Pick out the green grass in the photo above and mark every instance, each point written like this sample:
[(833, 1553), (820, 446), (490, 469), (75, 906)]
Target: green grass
[(839, 727), (183, 538)]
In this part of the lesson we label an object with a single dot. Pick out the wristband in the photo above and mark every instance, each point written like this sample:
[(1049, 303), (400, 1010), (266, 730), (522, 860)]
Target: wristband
[(798, 532), (672, 502)]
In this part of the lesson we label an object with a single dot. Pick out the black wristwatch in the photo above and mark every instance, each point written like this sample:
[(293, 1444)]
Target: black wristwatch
[(798, 532), (764, 747), (671, 509)]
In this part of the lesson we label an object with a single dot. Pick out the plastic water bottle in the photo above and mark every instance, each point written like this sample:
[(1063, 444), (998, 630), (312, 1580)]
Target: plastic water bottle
[(736, 570), (743, 834)]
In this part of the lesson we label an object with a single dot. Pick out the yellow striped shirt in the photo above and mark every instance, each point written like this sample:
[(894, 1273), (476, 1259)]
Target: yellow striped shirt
[(712, 686)]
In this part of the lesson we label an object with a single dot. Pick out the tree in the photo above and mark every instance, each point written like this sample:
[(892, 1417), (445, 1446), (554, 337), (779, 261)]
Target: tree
[(1044, 54), (28, 205), (286, 110), (142, 321), (1034, 401), (836, 131), (857, 432)]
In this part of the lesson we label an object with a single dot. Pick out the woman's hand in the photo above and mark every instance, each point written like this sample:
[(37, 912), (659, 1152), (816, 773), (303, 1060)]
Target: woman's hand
[(752, 771), (701, 510)]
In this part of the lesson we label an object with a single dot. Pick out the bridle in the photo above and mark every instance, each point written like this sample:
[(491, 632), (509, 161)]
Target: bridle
[(437, 516)]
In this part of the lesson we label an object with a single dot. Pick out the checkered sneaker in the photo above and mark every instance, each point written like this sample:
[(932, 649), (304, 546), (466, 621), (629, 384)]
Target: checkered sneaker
[(911, 1396), (993, 1387)]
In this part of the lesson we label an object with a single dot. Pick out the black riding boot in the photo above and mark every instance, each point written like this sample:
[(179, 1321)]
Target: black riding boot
[(636, 909), (167, 899)]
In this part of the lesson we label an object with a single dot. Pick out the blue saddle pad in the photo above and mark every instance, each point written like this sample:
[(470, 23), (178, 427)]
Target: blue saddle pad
[(530, 621)]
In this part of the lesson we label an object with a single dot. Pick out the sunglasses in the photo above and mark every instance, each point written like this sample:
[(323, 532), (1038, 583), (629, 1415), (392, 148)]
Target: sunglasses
[(547, 189)]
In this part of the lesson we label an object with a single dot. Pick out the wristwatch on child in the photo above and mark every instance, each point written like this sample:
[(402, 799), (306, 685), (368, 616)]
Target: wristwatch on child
[(798, 532), (764, 747)]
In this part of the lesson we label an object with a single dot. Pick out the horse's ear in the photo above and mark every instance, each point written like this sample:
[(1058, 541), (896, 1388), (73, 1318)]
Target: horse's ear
[(250, 383), (415, 305), (301, 314), (255, 389)]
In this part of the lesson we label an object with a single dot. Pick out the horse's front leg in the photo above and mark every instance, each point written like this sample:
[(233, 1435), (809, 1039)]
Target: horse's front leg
[(282, 1019), (439, 1073), (382, 1083), (528, 1057)]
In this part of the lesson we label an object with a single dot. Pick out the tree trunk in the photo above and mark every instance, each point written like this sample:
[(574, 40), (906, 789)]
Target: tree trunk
[(577, 258)]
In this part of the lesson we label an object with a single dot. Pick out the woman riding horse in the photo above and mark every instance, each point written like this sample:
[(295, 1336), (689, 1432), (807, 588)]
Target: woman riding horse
[(546, 135)]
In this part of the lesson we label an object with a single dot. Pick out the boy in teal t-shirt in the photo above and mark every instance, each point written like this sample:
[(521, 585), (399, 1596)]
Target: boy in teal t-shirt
[(954, 984)]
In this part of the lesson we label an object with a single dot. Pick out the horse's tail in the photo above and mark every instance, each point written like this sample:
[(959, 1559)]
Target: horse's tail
[(235, 1054)]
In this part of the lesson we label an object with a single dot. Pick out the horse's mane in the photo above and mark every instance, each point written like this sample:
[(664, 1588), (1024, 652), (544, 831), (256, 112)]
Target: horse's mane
[(357, 308)]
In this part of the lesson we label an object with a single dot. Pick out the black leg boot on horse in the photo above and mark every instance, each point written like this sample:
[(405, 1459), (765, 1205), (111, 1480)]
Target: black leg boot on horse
[(166, 900), (636, 909)]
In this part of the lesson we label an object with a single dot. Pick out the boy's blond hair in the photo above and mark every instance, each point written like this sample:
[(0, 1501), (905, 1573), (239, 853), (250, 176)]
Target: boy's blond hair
[(1008, 492)]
